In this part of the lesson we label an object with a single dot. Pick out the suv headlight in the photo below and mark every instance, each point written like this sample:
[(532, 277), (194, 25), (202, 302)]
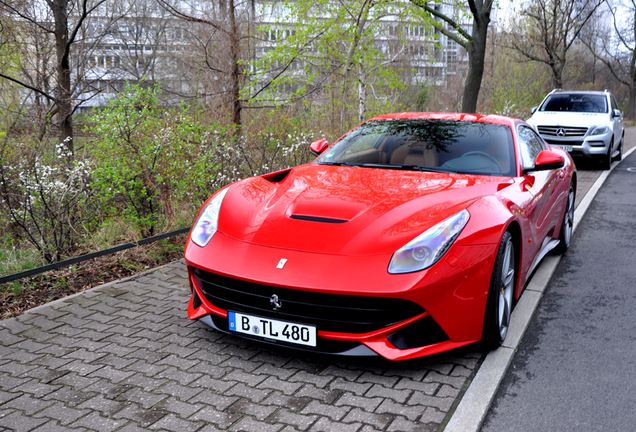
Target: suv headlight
[(208, 221), (427, 248), (599, 130)]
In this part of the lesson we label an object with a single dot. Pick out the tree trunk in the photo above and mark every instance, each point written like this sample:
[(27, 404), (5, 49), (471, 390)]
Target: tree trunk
[(557, 72), (631, 101), (235, 74), (476, 60), (64, 105), (362, 93)]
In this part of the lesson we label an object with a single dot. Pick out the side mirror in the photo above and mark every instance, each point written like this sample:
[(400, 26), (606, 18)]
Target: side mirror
[(533, 110), (317, 147), (617, 113), (546, 160)]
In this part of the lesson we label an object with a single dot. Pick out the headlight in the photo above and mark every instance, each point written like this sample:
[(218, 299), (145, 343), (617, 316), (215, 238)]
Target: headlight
[(207, 223), (427, 248), (599, 130)]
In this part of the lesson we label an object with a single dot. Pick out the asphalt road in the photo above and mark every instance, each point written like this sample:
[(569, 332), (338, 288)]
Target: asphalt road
[(575, 369)]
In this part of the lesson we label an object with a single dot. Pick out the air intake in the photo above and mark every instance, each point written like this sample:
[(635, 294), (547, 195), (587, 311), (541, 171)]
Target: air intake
[(318, 219)]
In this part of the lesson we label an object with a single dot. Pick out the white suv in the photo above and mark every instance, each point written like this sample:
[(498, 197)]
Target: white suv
[(584, 123)]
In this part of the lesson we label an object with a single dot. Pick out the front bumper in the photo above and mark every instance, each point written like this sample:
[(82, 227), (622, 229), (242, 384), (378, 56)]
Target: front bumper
[(588, 147), (450, 296)]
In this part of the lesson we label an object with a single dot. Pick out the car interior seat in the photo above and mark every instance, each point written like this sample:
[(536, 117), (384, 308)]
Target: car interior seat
[(414, 153)]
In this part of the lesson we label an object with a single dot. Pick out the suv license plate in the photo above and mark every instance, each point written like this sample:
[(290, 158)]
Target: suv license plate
[(567, 148), (268, 328)]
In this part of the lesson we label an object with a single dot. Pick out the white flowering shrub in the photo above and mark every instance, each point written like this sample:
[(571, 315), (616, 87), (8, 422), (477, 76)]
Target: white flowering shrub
[(45, 196)]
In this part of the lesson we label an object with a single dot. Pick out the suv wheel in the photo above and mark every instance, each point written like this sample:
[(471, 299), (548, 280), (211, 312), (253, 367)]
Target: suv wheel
[(606, 160), (619, 156)]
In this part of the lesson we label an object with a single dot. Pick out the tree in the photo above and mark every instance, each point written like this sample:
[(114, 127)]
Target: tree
[(474, 42), (548, 30), (310, 46), (63, 20), (619, 53), (222, 48)]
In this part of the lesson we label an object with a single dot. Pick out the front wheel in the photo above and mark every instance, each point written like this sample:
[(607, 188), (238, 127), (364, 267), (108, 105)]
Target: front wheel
[(606, 160), (500, 295), (619, 156), (567, 226)]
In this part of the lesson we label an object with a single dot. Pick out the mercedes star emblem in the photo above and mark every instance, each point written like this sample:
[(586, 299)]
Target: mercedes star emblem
[(560, 132)]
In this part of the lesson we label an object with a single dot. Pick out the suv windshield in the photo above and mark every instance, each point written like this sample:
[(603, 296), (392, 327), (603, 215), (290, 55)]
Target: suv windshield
[(586, 103), (428, 145)]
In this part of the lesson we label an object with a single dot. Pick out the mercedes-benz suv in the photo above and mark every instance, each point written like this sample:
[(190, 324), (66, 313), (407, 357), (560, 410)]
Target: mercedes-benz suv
[(584, 123)]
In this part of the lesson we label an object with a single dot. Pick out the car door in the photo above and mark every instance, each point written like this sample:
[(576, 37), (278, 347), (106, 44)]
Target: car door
[(540, 186)]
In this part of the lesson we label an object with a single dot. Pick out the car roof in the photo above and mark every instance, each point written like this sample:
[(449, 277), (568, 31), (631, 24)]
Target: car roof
[(478, 118), (590, 92)]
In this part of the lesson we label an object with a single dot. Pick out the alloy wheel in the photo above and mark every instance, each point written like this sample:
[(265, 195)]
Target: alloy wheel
[(506, 290)]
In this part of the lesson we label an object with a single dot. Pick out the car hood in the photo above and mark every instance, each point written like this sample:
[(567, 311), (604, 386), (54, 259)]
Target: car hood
[(346, 210), (554, 118)]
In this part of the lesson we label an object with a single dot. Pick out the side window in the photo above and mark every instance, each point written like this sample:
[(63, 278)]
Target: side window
[(614, 104), (530, 145)]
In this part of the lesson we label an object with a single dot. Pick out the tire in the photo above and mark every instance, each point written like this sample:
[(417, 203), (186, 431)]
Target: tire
[(606, 160), (500, 295), (619, 156), (567, 226)]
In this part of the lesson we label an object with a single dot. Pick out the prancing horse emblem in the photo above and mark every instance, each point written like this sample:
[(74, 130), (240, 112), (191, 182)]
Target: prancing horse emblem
[(275, 302)]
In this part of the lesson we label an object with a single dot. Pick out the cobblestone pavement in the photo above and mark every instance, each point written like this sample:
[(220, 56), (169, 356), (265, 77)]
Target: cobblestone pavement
[(124, 357)]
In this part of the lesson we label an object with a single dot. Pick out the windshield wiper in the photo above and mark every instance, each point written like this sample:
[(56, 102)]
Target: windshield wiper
[(351, 164), (408, 167)]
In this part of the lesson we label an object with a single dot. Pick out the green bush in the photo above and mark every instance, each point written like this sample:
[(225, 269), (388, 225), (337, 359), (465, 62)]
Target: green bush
[(148, 158)]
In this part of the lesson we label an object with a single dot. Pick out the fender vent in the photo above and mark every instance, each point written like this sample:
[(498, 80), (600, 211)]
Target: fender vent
[(318, 219)]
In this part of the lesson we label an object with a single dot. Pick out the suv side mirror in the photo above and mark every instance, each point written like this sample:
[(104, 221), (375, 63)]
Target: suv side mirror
[(534, 110), (319, 146), (617, 113), (546, 160)]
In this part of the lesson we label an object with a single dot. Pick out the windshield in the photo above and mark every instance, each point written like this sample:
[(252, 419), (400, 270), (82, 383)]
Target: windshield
[(428, 145), (586, 103)]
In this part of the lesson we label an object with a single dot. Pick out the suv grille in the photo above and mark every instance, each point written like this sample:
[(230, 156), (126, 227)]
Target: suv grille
[(328, 312), (560, 142), (561, 131)]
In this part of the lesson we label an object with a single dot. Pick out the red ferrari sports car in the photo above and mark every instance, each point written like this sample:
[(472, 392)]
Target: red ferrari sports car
[(412, 234)]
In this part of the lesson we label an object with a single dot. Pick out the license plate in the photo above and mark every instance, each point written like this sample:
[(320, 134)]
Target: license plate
[(268, 328), (567, 148)]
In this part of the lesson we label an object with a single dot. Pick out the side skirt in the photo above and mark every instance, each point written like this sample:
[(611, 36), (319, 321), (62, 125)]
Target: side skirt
[(543, 252)]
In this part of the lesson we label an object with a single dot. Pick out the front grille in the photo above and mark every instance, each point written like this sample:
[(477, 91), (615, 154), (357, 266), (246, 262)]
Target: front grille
[(562, 131), (562, 142), (328, 312)]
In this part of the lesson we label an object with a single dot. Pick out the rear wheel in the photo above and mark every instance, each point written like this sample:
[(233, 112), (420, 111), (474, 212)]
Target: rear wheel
[(567, 226), (500, 295)]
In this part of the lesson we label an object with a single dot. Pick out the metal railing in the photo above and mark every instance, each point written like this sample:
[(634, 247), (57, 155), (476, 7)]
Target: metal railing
[(71, 261)]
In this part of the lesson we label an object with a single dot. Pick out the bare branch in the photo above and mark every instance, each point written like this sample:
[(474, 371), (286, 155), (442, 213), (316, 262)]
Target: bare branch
[(461, 33), (30, 87)]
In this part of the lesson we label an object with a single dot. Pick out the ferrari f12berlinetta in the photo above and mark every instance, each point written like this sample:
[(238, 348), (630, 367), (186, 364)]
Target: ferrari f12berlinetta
[(412, 234)]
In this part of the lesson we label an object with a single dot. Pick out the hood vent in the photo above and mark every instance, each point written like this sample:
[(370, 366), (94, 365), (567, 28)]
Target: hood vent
[(318, 219), (278, 176)]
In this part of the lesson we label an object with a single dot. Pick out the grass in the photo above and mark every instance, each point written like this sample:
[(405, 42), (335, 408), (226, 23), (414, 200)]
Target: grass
[(13, 259), (23, 294)]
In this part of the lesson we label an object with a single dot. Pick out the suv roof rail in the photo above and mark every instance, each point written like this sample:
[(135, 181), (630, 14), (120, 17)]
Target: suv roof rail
[(555, 90)]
